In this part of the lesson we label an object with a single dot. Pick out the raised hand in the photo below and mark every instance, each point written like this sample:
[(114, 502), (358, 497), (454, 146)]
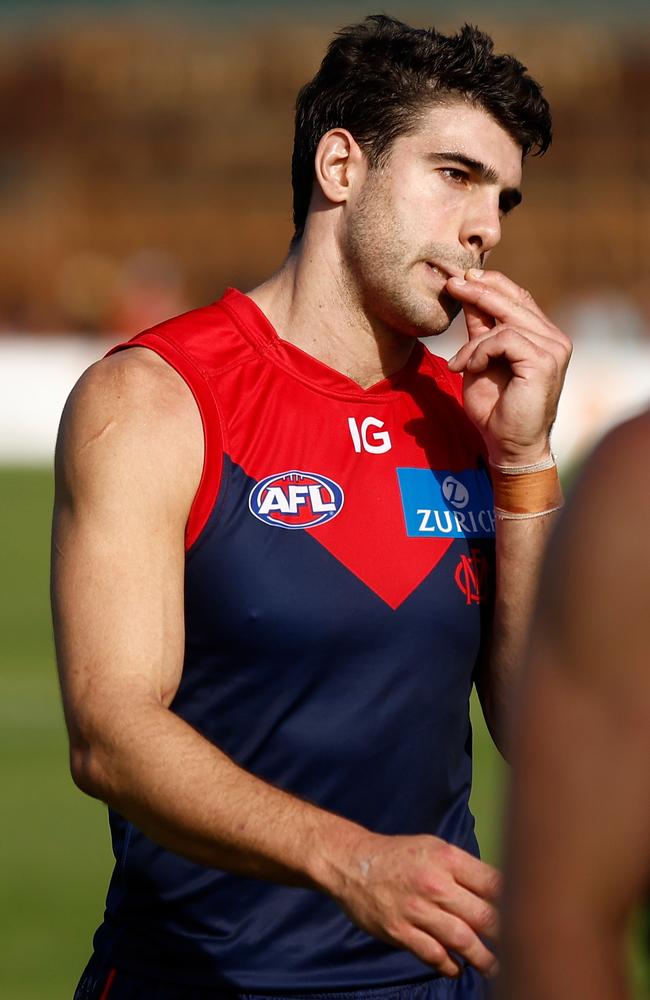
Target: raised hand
[(514, 365)]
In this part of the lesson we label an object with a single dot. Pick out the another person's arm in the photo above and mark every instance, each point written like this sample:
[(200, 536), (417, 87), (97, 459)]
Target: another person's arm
[(129, 461), (579, 831)]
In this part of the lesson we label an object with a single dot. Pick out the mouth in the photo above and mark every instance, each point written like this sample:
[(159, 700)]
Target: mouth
[(444, 273)]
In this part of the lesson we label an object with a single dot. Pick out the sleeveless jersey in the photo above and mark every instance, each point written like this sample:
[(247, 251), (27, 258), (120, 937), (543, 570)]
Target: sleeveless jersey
[(338, 578)]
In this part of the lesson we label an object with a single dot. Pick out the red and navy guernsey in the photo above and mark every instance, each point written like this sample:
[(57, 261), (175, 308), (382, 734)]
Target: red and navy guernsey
[(339, 561)]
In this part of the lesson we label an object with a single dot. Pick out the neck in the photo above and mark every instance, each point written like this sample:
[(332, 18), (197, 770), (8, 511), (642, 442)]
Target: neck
[(312, 304)]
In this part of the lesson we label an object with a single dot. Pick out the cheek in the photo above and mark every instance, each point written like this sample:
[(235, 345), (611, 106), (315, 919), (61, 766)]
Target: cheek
[(436, 215), (447, 206)]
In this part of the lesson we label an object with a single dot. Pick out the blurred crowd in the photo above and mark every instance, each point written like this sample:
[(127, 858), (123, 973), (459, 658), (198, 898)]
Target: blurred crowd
[(145, 166)]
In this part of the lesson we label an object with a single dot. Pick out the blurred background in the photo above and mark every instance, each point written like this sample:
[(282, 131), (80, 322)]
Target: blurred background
[(144, 167)]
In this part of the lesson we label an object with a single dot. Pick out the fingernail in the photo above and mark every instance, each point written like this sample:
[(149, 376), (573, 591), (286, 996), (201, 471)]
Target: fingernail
[(458, 281), (475, 272)]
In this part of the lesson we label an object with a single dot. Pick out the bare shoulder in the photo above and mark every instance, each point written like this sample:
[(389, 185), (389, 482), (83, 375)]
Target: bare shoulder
[(133, 380), (612, 491), (131, 417), (596, 583), (610, 502), (620, 467)]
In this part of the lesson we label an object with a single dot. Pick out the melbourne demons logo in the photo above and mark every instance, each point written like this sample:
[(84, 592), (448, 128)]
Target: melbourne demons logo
[(472, 577), (295, 500)]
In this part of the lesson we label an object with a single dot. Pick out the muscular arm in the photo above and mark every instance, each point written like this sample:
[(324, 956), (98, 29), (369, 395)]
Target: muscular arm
[(128, 463), (520, 548), (129, 460), (579, 857), (513, 369)]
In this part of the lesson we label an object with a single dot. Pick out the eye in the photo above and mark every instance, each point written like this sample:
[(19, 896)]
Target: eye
[(456, 175)]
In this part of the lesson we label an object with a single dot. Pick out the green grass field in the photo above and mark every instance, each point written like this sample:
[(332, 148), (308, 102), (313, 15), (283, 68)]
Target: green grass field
[(55, 853), (56, 856)]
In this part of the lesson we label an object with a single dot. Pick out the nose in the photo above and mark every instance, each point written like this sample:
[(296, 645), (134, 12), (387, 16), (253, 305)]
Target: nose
[(481, 229)]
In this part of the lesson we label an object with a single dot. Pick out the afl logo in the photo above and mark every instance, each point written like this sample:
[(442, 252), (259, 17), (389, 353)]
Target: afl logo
[(295, 500)]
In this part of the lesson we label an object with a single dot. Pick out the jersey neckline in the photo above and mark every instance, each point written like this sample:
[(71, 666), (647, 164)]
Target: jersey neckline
[(258, 328)]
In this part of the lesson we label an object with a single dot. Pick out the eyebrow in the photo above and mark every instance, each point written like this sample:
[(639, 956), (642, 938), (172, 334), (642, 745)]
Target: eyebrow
[(510, 197)]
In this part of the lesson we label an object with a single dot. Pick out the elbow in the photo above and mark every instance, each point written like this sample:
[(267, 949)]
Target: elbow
[(86, 770)]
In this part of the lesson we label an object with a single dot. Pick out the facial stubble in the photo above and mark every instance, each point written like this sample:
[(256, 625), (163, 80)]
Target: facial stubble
[(381, 268)]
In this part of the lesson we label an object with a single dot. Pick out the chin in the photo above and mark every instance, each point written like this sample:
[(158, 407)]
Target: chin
[(413, 314), (451, 307), (434, 317)]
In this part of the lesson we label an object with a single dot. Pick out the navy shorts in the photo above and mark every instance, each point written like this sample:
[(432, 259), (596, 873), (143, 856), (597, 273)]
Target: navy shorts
[(100, 983)]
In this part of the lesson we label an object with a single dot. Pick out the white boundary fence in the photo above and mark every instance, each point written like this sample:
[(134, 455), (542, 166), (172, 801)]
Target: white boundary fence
[(606, 383), (36, 375)]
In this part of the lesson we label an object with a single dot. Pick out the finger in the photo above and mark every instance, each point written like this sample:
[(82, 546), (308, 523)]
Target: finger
[(509, 299), (521, 353), (481, 916), (516, 345), (476, 875), (458, 937), (429, 950), (502, 283), (496, 303), (477, 321)]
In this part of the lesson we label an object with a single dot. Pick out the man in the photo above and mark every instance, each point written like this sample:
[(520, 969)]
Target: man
[(274, 548), (579, 852)]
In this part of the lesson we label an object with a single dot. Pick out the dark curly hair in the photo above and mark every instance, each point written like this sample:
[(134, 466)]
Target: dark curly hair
[(378, 76)]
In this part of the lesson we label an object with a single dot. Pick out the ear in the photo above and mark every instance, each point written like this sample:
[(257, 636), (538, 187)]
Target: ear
[(338, 162)]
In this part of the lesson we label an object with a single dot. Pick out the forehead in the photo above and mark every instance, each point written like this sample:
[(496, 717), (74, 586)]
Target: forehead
[(456, 126)]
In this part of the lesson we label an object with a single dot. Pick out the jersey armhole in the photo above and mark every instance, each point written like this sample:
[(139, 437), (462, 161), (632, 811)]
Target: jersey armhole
[(208, 488)]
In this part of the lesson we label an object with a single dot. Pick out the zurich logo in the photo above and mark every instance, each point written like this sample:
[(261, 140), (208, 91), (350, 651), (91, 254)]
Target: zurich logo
[(455, 492), (295, 499)]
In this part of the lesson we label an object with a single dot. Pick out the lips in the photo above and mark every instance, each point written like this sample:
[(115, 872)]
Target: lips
[(440, 275), (439, 270), (446, 271)]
